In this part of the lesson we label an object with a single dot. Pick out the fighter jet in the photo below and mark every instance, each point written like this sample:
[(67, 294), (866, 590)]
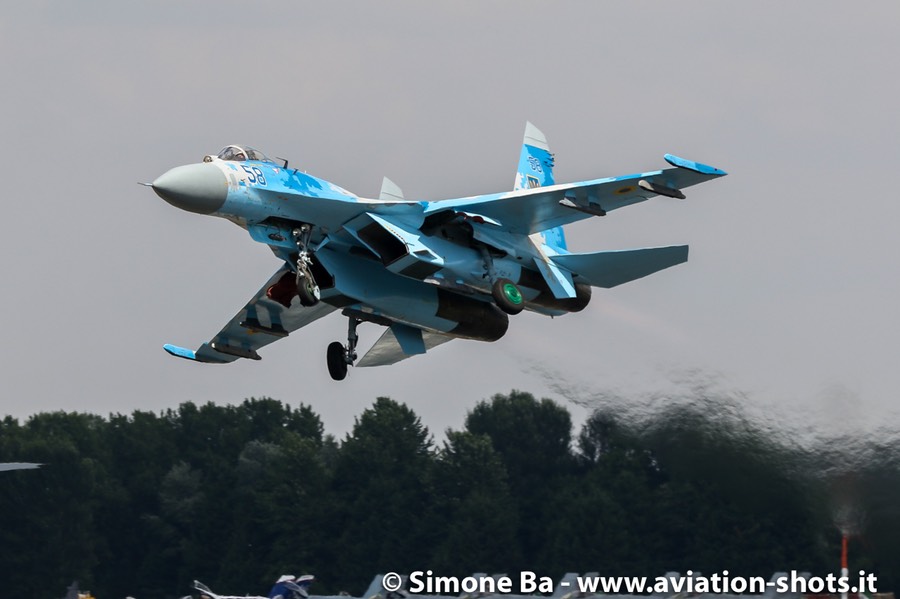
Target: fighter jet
[(7, 466), (428, 271)]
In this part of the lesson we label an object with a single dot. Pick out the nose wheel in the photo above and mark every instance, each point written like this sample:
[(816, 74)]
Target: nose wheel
[(307, 288), (339, 357)]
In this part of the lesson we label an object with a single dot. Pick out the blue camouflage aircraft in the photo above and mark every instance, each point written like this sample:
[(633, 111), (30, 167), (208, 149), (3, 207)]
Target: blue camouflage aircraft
[(429, 271)]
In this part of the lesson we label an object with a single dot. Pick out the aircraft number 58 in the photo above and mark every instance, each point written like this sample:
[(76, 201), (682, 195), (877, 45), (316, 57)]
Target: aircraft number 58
[(254, 174)]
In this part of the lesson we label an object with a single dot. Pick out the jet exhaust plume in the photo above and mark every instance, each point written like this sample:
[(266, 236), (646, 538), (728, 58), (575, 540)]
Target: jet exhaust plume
[(849, 480)]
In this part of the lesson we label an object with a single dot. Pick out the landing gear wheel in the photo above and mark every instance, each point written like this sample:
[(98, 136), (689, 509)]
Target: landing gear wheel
[(337, 361), (307, 290), (507, 296), (339, 357)]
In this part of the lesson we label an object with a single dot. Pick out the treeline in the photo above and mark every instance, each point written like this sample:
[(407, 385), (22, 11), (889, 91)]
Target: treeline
[(142, 504)]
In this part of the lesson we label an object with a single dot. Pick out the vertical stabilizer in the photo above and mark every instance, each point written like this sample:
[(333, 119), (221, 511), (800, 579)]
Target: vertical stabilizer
[(390, 191), (536, 170), (535, 161), (567, 586), (375, 588)]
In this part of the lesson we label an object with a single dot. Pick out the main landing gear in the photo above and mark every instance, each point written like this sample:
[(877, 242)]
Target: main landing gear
[(506, 294), (340, 357), (307, 288)]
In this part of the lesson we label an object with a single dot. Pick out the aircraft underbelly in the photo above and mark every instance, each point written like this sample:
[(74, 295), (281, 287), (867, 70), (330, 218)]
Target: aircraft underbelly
[(397, 298)]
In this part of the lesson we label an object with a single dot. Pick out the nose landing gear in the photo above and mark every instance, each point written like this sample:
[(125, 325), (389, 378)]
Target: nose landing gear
[(339, 357), (307, 288)]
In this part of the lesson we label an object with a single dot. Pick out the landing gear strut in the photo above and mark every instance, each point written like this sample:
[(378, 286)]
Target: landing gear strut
[(340, 357), (307, 288)]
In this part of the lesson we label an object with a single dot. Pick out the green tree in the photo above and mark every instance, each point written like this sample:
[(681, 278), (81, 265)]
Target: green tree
[(49, 515), (383, 494), (474, 503), (140, 451), (533, 440), (298, 498)]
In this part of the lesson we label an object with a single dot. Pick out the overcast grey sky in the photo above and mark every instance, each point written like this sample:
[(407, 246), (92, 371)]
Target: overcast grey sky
[(790, 295)]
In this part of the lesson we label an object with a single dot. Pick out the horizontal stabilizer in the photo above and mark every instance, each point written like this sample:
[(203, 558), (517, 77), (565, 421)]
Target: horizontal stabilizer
[(399, 342), (612, 268)]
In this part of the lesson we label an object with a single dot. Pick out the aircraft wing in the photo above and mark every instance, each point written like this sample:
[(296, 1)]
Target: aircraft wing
[(273, 313), (531, 210)]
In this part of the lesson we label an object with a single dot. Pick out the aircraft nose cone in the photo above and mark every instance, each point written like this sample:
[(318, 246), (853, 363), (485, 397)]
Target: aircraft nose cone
[(200, 188)]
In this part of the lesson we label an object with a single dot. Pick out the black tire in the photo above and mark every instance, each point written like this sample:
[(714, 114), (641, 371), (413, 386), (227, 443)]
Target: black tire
[(308, 291), (507, 296), (337, 365)]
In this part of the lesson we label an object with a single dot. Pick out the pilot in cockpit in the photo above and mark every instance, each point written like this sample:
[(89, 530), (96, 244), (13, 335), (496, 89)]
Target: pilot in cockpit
[(239, 154), (232, 153)]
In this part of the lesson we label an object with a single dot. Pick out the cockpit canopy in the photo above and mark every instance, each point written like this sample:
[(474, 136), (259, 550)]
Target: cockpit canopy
[(239, 154)]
